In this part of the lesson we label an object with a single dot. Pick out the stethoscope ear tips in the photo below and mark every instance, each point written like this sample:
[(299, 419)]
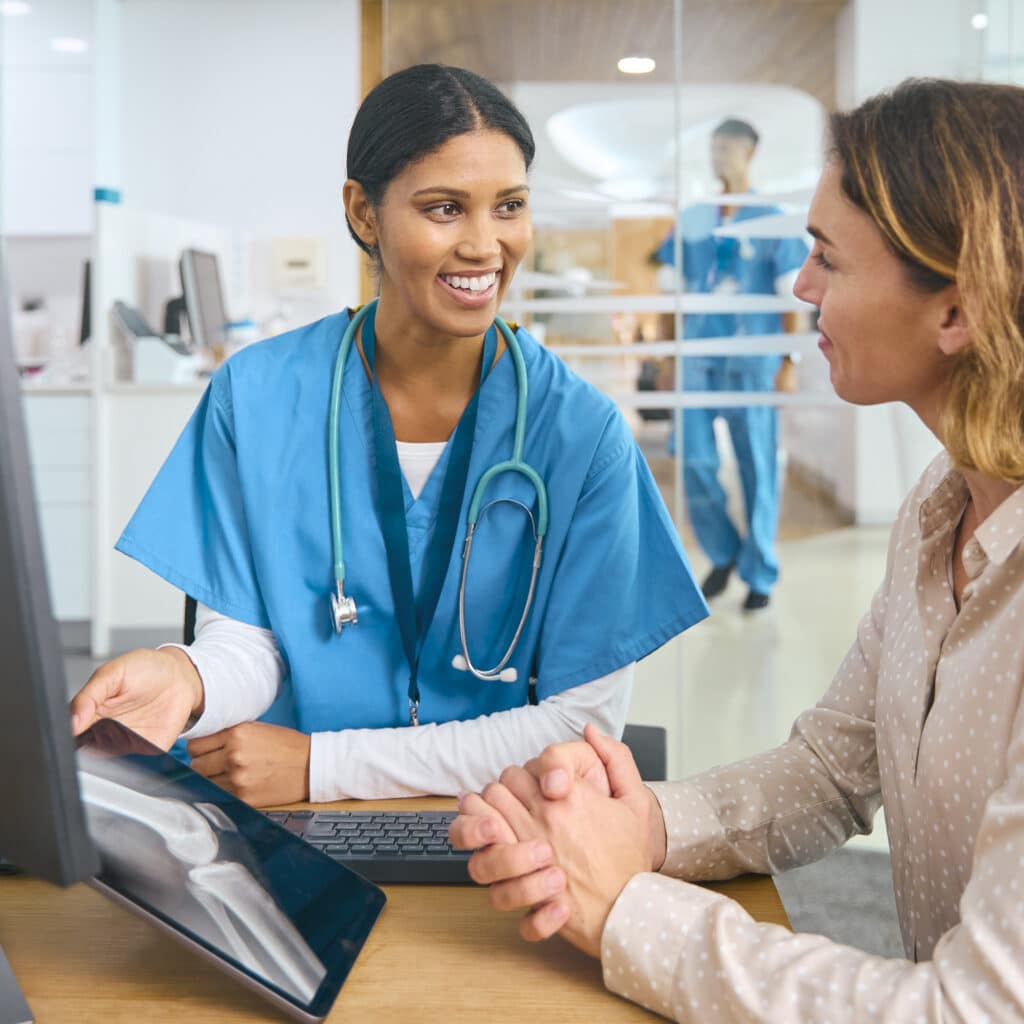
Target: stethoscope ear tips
[(506, 675)]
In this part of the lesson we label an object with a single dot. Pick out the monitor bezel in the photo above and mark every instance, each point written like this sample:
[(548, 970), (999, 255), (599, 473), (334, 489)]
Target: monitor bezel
[(42, 829)]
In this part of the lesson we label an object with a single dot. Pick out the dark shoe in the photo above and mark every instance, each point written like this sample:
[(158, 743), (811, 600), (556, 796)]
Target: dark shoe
[(755, 601), (716, 581)]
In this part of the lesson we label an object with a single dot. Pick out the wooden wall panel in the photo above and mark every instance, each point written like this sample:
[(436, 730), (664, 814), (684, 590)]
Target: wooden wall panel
[(787, 42)]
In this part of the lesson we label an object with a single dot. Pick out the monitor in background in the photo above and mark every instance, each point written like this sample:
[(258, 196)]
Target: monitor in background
[(204, 297), (85, 328)]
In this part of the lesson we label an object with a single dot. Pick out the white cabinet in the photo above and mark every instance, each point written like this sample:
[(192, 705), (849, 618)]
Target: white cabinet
[(59, 431)]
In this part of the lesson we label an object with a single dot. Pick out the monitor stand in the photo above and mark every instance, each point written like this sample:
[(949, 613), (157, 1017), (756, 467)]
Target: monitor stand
[(13, 1008)]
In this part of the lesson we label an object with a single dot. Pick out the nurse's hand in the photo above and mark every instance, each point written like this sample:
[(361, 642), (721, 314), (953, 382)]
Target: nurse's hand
[(264, 765), (154, 693)]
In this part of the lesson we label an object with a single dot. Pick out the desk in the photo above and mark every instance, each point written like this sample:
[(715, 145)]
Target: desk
[(436, 954)]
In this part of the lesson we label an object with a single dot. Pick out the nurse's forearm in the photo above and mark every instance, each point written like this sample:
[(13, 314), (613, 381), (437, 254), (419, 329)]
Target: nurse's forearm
[(454, 757)]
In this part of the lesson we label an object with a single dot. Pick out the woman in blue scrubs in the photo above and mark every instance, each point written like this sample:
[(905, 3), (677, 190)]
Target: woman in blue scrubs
[(283, 696)]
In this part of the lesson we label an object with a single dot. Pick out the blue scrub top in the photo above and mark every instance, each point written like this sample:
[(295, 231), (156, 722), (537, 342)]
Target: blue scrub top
[(748, 266), (239, 518)]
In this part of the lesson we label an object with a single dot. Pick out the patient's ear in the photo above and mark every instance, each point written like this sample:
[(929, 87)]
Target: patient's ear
[(953, 334)]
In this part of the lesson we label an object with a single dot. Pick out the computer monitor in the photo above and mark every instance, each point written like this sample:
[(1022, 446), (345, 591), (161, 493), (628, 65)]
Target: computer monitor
[(42, 825), (85, 327), (204, 297)]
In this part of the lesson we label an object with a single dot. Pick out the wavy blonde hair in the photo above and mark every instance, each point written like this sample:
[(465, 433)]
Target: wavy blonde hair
[(939, 167)]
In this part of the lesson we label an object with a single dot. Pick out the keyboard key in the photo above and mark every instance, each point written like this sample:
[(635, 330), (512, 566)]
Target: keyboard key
[(335, 848), (361, 849), (438, 849), (318, 830), (386, 851), (300, 814)]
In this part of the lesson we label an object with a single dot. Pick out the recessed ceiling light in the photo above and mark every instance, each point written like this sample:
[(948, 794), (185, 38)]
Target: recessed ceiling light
[(14, 8), (68, 44), (636, 65), (979, 21)]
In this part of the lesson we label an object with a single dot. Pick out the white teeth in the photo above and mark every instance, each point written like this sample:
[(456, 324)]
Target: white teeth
[(472, 284)]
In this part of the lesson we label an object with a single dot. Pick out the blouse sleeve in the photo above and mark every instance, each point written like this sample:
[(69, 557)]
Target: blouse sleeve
[(695, 955)]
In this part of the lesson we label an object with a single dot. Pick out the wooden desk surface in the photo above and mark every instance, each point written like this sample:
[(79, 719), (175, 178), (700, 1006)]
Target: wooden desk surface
[(437, 953)]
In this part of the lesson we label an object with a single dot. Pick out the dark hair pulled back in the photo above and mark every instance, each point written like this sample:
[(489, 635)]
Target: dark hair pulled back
[(416, 111)]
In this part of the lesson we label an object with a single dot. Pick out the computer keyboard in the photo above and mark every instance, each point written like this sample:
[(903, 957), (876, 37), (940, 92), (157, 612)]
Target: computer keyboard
[(408, 847)]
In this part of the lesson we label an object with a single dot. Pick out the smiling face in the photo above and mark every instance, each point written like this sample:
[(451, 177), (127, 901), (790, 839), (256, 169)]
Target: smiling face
[(885, 339), (451, 229)]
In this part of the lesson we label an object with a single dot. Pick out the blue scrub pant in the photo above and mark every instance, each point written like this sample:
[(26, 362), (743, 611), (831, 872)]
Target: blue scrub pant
[(754, 433)]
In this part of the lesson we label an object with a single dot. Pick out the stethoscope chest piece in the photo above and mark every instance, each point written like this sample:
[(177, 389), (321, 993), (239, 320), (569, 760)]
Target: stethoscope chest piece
[(343, 610)]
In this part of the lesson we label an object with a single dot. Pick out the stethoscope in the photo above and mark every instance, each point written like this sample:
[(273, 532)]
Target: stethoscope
[(343, 608)]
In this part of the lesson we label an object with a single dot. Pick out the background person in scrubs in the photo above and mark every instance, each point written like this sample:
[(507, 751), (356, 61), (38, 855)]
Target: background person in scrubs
[(274, 704), (739, 266)]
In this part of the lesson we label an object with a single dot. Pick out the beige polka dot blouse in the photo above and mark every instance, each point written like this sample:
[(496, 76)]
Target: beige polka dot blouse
[(924, 716)]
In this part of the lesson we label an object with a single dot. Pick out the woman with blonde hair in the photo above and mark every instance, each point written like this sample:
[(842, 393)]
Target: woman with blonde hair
[(918, 272)]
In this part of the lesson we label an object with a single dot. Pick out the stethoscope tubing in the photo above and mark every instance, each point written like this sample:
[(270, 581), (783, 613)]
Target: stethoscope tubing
[(515, 464)]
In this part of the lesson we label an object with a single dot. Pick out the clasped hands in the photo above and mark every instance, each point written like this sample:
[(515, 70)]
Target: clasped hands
[(562, 836)]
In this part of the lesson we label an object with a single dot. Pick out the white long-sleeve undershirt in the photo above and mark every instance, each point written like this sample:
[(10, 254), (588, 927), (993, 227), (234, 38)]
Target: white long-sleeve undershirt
[(242, 669)]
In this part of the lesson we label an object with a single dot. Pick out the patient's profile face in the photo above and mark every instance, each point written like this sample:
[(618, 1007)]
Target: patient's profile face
[(879, 332)]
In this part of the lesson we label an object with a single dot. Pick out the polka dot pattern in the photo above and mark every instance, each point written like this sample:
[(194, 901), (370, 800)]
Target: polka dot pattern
[(924, 716)]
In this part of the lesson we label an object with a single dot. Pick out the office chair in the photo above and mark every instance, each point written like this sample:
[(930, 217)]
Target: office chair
[(647, 743)]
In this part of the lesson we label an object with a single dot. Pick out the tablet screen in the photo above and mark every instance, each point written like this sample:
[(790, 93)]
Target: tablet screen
[(220, 873)]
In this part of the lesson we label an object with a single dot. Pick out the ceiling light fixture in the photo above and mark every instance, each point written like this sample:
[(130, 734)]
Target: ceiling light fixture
[(979, 21), (636, 65), (68, 44), (14, 8)]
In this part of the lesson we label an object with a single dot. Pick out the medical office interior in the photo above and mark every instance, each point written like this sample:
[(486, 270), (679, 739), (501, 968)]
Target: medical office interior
[(171, 166)]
